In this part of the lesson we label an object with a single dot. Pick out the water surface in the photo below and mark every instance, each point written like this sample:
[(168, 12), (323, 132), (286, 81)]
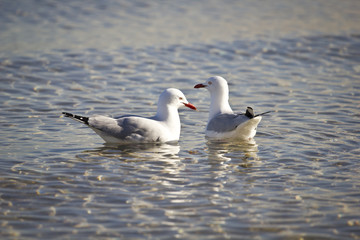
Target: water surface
[(299, 178)]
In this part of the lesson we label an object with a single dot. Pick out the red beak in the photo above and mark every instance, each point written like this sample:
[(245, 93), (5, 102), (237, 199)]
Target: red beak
[(189, 105), (200, 85)]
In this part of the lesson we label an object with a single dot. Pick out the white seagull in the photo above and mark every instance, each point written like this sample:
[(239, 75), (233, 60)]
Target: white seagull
[(223, 123), (163, 127)]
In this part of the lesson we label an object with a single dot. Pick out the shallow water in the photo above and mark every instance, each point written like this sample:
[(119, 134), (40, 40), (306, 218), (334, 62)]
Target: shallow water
[(300, 178)]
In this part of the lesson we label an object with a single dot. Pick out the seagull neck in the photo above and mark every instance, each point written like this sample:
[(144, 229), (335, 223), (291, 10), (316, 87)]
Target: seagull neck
[(170, 116), (219, 104)]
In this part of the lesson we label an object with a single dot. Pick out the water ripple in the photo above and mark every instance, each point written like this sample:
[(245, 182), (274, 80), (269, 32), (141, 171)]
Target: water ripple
[(299, 178)]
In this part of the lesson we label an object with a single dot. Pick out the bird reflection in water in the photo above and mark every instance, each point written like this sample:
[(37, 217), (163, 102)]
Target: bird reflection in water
[(241, 153), (144, 151)]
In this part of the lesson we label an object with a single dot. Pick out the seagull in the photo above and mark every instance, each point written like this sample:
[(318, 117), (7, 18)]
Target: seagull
[(223, 123), (164, 127)]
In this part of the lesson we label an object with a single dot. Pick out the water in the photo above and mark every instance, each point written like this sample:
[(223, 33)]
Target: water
[(299, 179)]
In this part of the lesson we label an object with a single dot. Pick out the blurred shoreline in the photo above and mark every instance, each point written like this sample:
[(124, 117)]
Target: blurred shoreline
[(42, 26)]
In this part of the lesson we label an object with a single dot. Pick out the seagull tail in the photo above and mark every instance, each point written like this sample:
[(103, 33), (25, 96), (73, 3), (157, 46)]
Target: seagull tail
[(250, 113), (81, 119)]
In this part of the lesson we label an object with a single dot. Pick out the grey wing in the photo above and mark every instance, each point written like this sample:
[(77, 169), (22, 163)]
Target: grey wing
[(226, 122), (129, 127), (119, 128), (123, 129)]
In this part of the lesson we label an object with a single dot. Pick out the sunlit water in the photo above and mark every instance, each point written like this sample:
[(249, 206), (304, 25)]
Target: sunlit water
[(299, 178)]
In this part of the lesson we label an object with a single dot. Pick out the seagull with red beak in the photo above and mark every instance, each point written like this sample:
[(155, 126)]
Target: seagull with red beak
[(223, 123), (163, 127)]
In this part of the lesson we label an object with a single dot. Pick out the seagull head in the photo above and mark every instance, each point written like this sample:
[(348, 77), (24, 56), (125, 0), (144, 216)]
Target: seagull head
[(219, 94), (174, 97), (215, 85)]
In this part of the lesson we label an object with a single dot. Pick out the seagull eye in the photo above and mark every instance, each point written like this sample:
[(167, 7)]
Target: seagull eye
[(210, 82), (180, 98)]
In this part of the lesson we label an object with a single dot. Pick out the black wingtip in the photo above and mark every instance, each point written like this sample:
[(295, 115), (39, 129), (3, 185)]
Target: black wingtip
[(68, 114), (260, 114), (250, 113), (77, 117)]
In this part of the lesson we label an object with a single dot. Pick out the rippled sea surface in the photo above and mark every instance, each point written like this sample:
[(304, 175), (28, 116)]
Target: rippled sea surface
[(298, 179)]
